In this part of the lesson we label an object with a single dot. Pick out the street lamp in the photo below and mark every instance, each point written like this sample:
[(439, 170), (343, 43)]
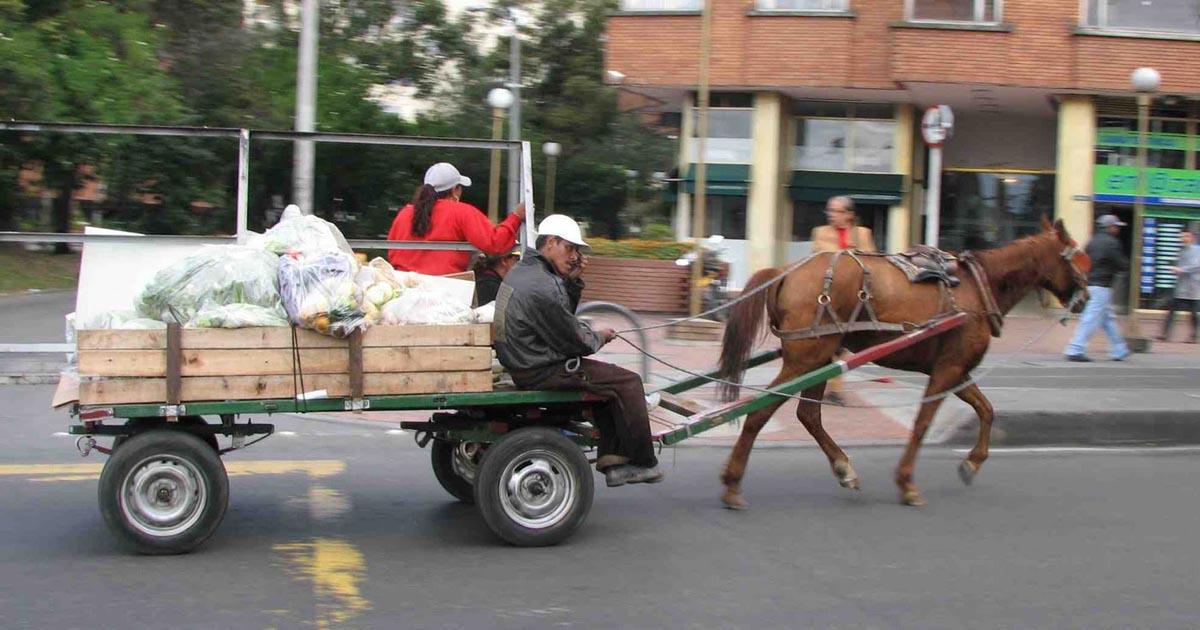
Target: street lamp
[(1145, 81), (514, 18), (552, 150), (499, 99)]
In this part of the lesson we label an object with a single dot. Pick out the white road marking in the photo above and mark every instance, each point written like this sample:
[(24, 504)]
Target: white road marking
[(1087, 449)]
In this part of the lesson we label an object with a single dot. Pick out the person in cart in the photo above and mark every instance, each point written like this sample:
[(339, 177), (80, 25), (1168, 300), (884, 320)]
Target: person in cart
[(438, 214), (543, 345), (490, 272)]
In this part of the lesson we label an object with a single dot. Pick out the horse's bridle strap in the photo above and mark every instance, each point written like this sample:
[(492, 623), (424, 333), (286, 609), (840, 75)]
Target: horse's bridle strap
[(995, 318)]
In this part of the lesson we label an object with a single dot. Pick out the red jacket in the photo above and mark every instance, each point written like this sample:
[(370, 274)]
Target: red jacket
[(451, 221)]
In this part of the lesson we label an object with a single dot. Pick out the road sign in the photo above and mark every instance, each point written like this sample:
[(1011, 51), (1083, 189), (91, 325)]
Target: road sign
[(936, 125)]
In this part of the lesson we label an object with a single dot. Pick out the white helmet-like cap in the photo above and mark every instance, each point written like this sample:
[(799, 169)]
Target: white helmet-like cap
[(563, 227), (443, 176)]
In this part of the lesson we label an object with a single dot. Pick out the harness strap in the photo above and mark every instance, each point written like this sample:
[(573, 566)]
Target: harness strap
[(994, 318)]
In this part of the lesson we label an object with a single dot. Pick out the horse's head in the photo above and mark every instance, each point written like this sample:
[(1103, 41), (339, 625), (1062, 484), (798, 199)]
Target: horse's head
[(1066, 276)]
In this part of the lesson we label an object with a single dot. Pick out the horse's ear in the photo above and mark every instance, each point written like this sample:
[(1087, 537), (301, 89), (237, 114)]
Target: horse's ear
[(1061, 229), (1046, 227)]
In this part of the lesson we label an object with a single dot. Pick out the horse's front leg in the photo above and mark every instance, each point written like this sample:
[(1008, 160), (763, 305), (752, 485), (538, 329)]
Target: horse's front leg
[(983, 409), (942, 379), (809, 414)]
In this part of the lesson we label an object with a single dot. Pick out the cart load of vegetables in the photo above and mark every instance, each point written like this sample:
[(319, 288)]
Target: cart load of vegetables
[(304, 234), (216, 276), (319, 293)]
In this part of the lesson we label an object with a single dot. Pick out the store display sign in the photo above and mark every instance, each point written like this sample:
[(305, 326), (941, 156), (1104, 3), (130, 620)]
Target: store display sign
[(1164, 186), (1126, 138), (1160, 251)]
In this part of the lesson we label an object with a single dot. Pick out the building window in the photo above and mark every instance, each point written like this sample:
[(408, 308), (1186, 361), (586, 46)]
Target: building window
[(664, 6), (988, 209), (1165, 16), (725, 215), (977, 11), (835, 137), (802, 5), (730, 136), (1168, 143)]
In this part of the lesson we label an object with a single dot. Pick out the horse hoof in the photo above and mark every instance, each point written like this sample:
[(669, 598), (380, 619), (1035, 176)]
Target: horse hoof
[(967, 471), (913, 497), (846, 476), (734, 501)]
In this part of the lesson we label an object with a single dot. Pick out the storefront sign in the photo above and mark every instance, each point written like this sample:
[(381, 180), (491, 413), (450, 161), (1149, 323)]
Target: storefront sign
[(1160, 252), (1164, 186), (1126, 138)]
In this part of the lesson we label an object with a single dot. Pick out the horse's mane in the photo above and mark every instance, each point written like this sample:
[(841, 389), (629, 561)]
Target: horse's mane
[(1009, 265)]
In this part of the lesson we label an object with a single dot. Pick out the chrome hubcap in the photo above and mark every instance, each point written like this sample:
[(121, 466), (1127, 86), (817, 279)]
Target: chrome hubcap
[(466, 461), (537, 489), (163, 496)]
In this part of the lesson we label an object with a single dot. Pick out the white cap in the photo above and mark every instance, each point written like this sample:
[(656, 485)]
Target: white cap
[(443, 176), (563, 227)]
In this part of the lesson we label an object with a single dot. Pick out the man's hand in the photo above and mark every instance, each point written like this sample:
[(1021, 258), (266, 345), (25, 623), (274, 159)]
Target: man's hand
[(520, 212), (608, 334)]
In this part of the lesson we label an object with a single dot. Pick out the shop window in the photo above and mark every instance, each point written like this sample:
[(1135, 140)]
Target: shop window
[(977, 11), (1165, 16), (1167, 141), (802, 5), (725, 215), (986, 210), (730, 136), (655, 6)]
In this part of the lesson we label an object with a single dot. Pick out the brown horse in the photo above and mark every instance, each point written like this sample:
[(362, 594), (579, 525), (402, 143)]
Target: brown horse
[(1049, 260)]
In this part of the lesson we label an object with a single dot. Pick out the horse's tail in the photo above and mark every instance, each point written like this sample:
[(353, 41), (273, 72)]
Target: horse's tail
[(744, 329)]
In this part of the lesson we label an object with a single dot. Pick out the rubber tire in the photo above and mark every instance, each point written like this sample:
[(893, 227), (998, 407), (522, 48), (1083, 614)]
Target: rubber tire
[(441, 453), (158, 423), (487, 483), (181, 444)]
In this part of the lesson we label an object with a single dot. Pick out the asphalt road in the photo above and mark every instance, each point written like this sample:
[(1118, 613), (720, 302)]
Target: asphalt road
[(355, 532)]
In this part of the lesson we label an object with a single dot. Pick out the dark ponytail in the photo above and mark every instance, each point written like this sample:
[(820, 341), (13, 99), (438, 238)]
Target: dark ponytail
[(422, 204)]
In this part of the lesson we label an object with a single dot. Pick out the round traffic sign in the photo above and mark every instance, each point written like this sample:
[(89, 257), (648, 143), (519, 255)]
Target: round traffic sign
[(936, 124)]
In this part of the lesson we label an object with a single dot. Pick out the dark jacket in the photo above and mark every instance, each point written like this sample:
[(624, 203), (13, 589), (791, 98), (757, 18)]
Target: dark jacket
[(1108, 259), (487, 285), (536, 328)]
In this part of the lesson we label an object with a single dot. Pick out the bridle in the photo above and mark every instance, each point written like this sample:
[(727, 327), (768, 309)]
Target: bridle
[(1077, 296)]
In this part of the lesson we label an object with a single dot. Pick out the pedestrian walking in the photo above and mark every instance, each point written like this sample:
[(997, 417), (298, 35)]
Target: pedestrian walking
[(1187, 287), (1108, 260)]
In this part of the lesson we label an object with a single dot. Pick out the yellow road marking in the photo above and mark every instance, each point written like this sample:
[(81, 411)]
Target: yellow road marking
[(315, 469), (335, 568)]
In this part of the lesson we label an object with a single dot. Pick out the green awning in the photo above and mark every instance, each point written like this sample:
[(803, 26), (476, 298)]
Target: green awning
[(731, 180), (865, 188)]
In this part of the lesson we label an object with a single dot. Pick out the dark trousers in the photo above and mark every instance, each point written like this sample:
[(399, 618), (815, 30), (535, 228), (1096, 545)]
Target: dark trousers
[(1180, 304), (624, 422)]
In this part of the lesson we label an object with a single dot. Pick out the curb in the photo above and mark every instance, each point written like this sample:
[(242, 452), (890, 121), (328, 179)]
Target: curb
[(29, 379), (1110, 428)]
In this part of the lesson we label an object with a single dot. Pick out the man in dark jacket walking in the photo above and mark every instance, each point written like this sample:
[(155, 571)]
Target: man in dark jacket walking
[(1108, 260), (543, 345)]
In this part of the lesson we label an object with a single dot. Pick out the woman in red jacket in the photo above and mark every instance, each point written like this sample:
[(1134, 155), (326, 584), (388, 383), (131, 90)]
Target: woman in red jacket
[(436, 214)]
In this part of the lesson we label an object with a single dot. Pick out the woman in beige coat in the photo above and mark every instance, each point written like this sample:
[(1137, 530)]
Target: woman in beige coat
[(842, 232)]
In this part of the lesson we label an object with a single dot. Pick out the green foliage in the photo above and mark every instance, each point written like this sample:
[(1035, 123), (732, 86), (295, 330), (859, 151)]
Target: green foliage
[(658, 232), (647, 249)]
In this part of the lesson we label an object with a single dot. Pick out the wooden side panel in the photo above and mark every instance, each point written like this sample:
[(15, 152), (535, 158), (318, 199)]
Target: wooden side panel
[(217, 362), (281, 337)]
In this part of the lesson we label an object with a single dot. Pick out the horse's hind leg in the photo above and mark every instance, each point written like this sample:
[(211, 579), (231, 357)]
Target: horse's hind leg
[(735, 466), (942, 379), (983, 408), (809, 414)]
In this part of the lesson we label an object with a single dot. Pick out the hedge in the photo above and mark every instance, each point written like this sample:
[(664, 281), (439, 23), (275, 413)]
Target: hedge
[(637, 248)]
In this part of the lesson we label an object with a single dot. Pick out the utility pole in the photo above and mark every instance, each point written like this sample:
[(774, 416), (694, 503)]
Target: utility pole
[(514, 113), (304, 153)]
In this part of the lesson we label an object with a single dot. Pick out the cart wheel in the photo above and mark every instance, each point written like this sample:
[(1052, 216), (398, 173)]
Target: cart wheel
[(456, 464), (534, 488), (163, 492)]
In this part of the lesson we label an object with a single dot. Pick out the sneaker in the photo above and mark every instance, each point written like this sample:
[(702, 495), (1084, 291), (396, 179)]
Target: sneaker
[(621, 475), (1079, 358), (1122, 357)]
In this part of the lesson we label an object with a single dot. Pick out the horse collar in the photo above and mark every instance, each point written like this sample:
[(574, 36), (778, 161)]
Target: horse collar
[(995, 318)]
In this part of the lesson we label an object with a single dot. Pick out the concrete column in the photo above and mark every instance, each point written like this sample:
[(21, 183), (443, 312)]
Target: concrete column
[(784, 207), (1074, 164), (762, 207), (916, 194), (683, 203), (899, 216)]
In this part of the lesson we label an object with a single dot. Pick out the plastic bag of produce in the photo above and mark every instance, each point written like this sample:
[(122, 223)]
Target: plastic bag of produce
[(238, 316), (119, 320), (421, 306), (297, 232), (319, 293), (217, 275)]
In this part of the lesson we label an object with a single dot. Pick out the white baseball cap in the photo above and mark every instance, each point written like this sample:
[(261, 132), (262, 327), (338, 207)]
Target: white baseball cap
[(443, 176), (563, 227)]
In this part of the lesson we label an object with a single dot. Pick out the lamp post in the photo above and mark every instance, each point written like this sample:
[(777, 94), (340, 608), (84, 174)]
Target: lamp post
[(306, 105), (499, 99), (552, 150), (513, 17), (700, 193), (1145, 81)]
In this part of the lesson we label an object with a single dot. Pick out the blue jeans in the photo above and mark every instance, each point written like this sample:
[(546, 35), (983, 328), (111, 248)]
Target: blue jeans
[(1098, 313)]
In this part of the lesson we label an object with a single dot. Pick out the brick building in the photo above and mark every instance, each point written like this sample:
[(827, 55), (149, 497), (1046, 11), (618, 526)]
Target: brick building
[(812, 98)]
